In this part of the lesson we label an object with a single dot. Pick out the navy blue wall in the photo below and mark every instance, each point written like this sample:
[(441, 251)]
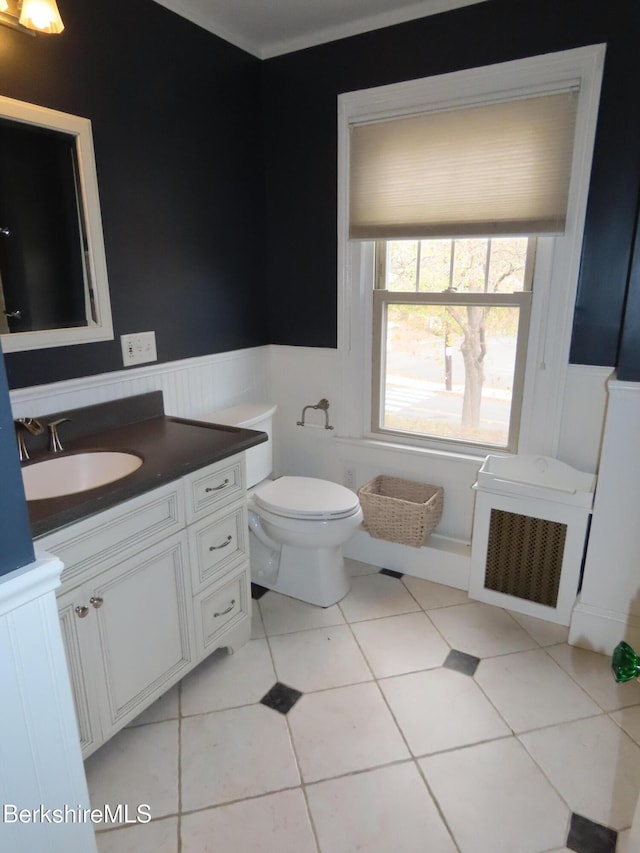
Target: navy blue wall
[(15, 532), (176, 125), (179, 119), (300, 92)]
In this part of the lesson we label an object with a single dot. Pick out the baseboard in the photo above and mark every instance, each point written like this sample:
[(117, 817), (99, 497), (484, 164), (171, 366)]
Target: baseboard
[(601, 630), (441, 560)]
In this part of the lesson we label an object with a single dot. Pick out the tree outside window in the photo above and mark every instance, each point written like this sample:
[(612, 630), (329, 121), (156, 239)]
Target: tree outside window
[(451, 332)]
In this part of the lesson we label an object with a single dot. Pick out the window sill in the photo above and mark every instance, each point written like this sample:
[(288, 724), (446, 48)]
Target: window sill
[(367, 443)]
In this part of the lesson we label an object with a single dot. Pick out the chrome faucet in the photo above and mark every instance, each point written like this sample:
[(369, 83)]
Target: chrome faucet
[(55, 445), (22, 425)]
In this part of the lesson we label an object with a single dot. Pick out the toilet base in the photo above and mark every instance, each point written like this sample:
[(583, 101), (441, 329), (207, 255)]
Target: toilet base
[(314, 575)]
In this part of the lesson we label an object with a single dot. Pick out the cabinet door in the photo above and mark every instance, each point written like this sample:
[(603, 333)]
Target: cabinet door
[(75, 623), (142, 612)]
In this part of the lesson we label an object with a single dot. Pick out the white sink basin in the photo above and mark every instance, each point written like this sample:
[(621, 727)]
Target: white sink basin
[(78, 472)]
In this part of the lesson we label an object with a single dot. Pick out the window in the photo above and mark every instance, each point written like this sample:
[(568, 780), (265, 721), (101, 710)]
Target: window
[(461, 208), (450, 325)]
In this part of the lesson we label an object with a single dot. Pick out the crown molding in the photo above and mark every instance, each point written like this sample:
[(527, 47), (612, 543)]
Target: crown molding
[(270, 49), (208, 22), (410, 12)]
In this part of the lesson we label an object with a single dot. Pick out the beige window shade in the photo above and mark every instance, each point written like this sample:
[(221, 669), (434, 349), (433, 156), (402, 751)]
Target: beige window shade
[(495, 169)]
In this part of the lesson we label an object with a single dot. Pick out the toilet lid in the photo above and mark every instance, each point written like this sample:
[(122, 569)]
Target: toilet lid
[(306, 497)]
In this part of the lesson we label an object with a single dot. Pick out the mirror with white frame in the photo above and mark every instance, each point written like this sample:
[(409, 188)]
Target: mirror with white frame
[(53, 275)]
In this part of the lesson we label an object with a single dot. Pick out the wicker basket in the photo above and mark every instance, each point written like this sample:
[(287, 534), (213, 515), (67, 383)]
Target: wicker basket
[(401, 510)]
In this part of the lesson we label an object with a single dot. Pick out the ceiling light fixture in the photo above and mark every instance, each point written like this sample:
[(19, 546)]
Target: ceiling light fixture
[(32, 16)]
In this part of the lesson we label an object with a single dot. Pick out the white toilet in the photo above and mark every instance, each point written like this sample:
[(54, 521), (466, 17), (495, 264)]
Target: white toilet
[(297, 525)]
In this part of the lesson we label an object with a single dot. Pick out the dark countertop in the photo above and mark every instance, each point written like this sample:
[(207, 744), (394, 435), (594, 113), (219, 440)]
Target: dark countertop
[(170, 447)]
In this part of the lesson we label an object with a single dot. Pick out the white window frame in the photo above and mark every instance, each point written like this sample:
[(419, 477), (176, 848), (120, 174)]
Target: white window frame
[(382, 298), (557, 258)]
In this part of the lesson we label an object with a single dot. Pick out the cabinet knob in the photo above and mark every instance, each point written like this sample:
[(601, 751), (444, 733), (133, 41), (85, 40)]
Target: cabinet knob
[(82, 610), (217, 488), (96, 601)]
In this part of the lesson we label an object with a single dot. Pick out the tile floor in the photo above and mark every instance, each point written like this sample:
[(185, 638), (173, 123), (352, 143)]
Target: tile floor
[(407, 718)]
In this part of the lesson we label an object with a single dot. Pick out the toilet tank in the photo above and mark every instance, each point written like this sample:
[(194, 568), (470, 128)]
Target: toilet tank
[(259, 416)]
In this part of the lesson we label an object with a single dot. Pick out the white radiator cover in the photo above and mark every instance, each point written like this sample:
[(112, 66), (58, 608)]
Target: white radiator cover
[(529, 532)]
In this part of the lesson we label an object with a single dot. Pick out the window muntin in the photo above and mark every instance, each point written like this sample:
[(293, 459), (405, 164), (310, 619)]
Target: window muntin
[(451, 322)]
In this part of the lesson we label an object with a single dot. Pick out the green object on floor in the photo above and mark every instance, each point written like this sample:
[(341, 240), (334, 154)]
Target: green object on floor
[(625, 663)]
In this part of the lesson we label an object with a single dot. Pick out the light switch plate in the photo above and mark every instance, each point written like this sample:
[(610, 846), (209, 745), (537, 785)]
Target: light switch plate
[(138, 348)]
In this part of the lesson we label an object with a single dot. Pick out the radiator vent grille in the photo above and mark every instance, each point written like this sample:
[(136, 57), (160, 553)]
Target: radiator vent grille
[(524, 556)]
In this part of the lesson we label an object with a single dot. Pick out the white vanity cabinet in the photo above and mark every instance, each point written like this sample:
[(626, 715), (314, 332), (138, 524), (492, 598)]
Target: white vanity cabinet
[(128, 636), (218, 532), (150, 587)]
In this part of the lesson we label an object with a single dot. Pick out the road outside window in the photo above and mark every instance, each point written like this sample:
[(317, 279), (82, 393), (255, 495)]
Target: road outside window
[(452, 328)]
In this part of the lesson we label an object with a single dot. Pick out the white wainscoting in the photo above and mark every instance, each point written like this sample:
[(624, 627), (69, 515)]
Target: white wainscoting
[(609, 606), (302, 375), (191, 387), (294, 377), (583, 413), (41, 764)]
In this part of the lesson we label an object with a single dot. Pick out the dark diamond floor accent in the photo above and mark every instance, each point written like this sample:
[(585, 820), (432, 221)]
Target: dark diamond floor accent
[(461, 662), (257, 591), (390, 573), (281, 698), (586, 836)]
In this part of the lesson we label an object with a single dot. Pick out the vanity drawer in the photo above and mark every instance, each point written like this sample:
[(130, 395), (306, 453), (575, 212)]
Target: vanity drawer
[(208, 489), (217, 542), (220, 609), (100, 541)]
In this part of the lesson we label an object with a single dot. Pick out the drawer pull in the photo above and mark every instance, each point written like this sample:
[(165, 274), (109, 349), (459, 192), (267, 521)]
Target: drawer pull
[(224, 544), (228, 610), (96, 601), (217, 488), (82, 610)]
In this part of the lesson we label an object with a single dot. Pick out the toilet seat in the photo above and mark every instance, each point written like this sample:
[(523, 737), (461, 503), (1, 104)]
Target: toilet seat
[(306, 498)]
